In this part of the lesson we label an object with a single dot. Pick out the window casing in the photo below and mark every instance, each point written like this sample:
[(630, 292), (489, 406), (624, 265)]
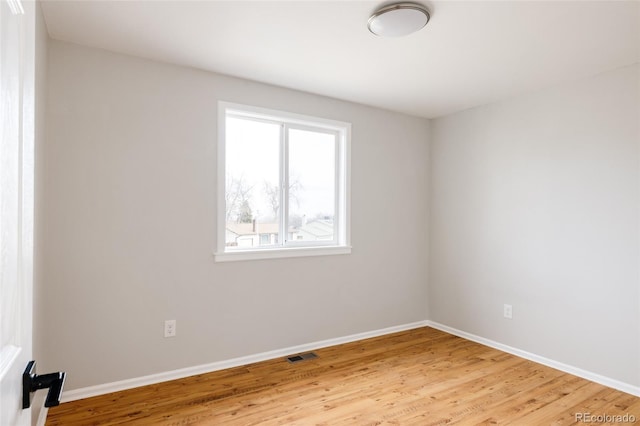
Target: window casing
[(283, 184)]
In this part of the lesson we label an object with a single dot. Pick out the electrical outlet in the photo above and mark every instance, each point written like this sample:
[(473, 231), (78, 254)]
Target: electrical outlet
[(508, 311), (170, 328)]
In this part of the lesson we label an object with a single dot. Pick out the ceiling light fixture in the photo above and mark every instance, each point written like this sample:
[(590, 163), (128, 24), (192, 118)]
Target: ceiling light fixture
[(398, 19)]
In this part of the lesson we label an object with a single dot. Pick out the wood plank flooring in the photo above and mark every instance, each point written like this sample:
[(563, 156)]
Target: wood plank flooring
[(416, 377)]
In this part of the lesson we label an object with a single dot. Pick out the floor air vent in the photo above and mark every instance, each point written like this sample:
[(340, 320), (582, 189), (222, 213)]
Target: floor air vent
[(302, 357)]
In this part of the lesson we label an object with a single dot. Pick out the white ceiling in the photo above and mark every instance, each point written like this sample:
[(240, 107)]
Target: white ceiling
[(470, 53)]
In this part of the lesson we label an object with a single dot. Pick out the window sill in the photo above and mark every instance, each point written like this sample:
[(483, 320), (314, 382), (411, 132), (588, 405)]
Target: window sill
[(279, 253)]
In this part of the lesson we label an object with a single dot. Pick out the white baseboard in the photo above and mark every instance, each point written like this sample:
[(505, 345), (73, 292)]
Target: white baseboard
[(38, 409), (90, 391), (42, 417), (603, 380)]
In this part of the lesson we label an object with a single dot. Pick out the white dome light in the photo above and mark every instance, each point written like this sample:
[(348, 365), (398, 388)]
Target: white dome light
[(399, 19)]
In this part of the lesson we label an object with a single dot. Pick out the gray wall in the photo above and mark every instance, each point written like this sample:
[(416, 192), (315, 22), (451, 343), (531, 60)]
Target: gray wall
[(532, 201), (129, 225), (535, 202)]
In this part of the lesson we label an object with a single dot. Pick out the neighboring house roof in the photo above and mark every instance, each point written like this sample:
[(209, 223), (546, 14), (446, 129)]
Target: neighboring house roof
[(247, 228), (318, 228)]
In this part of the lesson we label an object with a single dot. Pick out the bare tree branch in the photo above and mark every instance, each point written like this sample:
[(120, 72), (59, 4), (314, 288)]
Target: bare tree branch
[(237, 196)]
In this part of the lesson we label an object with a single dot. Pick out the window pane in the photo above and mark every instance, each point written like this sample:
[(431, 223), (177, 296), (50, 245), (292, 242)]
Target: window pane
[(251, 185), (311, 186)]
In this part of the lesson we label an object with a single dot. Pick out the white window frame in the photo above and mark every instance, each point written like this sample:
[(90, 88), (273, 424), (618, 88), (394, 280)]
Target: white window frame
[(341, 242)]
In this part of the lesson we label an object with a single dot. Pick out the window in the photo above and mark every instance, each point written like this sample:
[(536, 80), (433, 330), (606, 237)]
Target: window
[(283, 184)]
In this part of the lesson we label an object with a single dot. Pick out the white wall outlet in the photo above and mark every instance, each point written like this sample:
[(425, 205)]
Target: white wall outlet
[(170, 328), (508, 311)]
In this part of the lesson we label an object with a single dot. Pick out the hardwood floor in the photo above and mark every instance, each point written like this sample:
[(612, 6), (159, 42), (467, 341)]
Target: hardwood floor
[(416, 377)]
